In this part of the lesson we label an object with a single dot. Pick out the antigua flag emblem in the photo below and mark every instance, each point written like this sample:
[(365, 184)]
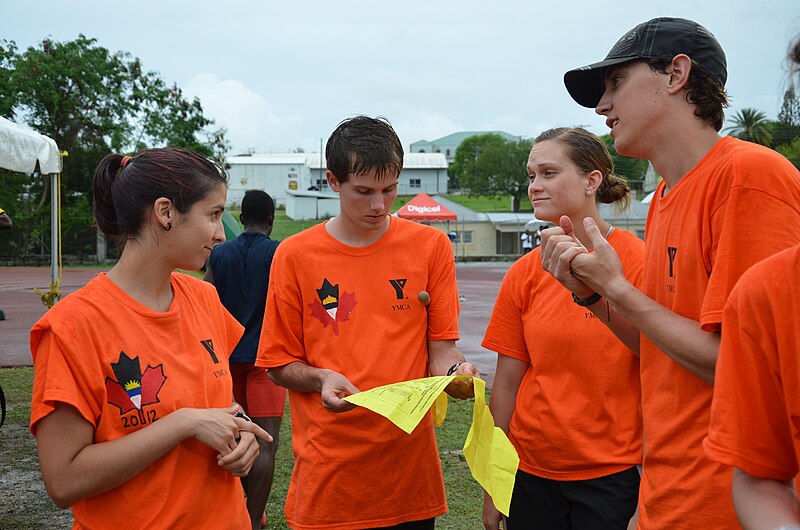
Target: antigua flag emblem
[(330, 308), (133, 389)]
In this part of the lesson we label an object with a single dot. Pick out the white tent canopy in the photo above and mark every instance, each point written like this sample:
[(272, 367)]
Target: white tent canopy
[(21, 148)]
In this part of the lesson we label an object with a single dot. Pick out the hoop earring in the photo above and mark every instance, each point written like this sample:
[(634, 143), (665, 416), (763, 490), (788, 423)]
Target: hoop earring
[(169, 226)]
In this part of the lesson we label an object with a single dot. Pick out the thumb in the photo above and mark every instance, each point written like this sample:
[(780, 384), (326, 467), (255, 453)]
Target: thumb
[(593, 232), (566, 225)]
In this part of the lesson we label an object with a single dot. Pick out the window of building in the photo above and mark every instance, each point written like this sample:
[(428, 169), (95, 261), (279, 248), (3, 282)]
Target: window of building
[(456, 236), (414, 183), (448, 152)]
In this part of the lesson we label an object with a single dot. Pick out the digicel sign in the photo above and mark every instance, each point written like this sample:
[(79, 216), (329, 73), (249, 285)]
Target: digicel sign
[(424, 209)]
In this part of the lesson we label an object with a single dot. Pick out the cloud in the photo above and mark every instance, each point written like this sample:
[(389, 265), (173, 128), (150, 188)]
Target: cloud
[(248, 116)]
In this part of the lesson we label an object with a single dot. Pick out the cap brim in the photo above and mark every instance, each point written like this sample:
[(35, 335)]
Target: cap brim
[(586, 84)]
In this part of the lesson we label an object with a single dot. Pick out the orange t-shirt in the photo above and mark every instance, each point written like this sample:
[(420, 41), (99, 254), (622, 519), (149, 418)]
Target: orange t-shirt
[(755, 414), (355, 311), (123, 366), (740, 204), (577, 413)]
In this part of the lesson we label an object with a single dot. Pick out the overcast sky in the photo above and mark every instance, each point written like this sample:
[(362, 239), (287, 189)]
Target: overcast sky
[(281, 75)]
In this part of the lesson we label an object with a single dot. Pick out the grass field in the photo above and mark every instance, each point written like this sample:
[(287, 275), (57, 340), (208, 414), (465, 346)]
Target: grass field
[(25, 505), (284, 227)]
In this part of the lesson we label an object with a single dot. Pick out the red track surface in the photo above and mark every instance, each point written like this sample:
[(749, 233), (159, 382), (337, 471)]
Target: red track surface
[(478, 284)]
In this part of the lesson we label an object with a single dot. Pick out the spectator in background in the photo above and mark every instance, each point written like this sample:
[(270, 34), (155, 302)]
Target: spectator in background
[(240, 270), (527, 242)]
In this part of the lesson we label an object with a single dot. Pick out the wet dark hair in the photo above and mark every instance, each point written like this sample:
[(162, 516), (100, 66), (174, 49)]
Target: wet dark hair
[(701, 90), (363, 144), (589, 153), (258, 208), (125, 192), (794, 59)]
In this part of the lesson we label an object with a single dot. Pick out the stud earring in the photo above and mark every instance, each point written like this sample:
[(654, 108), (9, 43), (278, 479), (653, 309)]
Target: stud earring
[(169, 226)]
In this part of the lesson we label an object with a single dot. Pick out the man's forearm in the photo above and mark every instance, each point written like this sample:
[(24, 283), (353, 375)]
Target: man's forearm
[(763, 503), (679, 337), (298, 376)]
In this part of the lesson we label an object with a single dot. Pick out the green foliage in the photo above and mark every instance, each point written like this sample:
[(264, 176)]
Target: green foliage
[(633, 169), (791, 151), (751, 125), (488, 164), (787, 128), (91, 102)]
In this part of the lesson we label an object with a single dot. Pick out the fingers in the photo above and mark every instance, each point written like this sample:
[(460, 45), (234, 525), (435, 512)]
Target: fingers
[(254, 429), (566, 225), (239, 461), (463, 388), (334, 403), (549, 233), (593, 232)]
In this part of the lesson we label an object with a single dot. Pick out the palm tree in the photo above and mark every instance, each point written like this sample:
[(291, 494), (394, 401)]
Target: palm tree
[(751, 125)]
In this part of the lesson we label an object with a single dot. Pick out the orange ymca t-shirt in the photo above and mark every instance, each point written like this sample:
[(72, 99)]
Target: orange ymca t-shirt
[(755, 414), (577, 413), (355, 311), (740, 204), (124, 366)]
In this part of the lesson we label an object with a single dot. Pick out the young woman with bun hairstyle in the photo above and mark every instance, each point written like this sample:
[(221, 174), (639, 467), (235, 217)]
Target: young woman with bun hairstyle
[(566, 390), (132, 396)]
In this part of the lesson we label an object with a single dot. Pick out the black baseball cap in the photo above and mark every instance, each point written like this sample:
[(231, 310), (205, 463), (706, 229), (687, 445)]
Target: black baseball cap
[(656, 38)]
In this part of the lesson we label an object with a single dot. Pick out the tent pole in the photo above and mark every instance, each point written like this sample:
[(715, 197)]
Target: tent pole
[(54, 227)]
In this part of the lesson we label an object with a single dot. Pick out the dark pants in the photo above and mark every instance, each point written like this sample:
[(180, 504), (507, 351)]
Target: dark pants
[(599, 503), (426, 524)]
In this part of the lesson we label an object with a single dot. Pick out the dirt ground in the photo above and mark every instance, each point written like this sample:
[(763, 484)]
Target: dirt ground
[(23, 501)]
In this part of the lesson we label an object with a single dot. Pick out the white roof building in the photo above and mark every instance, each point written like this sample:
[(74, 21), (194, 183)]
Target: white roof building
[(278, 173)]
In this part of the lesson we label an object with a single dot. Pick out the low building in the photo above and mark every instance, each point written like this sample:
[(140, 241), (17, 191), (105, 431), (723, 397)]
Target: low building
[(277, 174)]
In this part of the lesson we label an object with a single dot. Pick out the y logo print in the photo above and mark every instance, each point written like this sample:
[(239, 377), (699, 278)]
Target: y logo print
[(399, 284)]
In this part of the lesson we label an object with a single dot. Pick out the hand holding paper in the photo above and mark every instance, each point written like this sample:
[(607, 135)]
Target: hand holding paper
[(491, 457)]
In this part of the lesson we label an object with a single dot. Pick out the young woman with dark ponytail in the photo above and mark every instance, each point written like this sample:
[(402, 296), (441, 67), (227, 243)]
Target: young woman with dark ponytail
[(132, 400)]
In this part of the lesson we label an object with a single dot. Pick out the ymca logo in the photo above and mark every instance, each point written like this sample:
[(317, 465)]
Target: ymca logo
[(208, 344), (399, 284), (671, 252)]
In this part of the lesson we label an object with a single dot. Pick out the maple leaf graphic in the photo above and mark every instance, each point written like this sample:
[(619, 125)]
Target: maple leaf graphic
[(347, 302), (148, 384)]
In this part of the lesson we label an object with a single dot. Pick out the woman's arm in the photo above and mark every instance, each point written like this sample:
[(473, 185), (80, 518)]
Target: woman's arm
[(74, 468)]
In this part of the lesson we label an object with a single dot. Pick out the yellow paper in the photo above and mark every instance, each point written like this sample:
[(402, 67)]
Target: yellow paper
[(491, 457), (404, 403)]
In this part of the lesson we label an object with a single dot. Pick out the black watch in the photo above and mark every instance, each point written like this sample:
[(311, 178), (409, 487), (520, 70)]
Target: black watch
[(589, 300)]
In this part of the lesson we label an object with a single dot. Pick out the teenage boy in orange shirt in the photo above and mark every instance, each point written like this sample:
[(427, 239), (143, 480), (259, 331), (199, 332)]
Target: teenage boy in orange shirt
[(755, 414), (343, 314), (661, 89)]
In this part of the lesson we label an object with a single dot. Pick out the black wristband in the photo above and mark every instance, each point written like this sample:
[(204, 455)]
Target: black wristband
[(453, 368), (240, 414), (589, 300)]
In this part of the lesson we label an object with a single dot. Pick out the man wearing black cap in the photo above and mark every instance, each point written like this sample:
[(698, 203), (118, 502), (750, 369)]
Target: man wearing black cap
[(661, 89)]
